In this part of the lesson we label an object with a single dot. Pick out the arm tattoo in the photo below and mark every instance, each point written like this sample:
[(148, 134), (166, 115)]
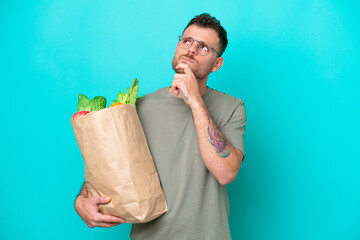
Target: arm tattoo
[(186, 98), (217, 140)]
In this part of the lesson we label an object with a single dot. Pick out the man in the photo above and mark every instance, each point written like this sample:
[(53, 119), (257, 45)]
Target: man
[(195, 135)]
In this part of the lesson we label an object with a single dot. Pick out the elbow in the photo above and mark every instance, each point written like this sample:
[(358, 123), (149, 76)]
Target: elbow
[(227, 178), (230, 170), (229, 175), (224, 181)]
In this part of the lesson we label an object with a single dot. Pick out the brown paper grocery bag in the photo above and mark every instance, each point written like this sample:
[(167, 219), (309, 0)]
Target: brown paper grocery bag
[(118, 163)]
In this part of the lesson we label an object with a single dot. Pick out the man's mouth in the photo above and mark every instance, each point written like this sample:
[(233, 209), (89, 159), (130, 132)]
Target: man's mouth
[(186, 60)]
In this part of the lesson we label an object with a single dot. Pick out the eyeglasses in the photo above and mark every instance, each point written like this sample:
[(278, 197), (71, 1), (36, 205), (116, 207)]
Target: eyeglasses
[(202, 47)]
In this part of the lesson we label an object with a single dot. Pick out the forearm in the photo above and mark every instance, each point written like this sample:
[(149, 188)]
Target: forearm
[(219, 156)]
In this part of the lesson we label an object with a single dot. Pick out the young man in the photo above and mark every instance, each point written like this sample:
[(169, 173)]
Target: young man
[(195, 135)]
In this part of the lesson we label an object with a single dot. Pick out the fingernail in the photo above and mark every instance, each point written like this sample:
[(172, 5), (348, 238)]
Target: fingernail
[(107, 199)]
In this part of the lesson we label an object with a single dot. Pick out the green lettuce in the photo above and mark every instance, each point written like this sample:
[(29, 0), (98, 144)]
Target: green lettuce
[(84, 104), (97, 103)]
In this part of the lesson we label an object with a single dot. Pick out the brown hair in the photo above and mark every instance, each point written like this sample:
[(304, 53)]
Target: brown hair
[(207, 21)]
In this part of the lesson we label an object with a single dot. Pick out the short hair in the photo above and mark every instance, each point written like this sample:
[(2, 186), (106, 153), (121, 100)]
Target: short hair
[(207, 21)]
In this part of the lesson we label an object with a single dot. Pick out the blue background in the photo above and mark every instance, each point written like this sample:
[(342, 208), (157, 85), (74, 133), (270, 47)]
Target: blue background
[(294, 63)]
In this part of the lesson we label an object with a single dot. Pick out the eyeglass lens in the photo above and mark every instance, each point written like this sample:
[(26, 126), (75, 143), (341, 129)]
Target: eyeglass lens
[(203, 48)]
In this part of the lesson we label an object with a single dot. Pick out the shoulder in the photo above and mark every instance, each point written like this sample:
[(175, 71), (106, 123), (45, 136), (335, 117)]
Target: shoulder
[(222, 99), (153, 95), (223, 107)]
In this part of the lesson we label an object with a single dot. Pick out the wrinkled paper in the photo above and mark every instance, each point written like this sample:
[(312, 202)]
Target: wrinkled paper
[(118, 163)]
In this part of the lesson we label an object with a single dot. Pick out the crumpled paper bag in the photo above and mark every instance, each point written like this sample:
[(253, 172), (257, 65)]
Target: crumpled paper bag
[(118, 163)]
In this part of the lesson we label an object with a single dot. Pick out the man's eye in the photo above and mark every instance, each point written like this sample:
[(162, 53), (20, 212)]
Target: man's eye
[(186, 41), (204, 47)]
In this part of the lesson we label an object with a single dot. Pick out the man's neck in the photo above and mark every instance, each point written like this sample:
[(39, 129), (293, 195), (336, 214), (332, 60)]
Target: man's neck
[(202, 86)]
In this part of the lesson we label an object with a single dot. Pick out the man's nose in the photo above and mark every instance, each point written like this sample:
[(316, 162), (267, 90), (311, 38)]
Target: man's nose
[(193, 49)]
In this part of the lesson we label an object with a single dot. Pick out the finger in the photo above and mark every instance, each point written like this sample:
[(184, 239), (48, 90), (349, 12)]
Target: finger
[(179, 70), (109, 219), (178, 83), (176, 91), (106, 225), (180, 93), (179, 76), (175, 88), (101, 199), (187, 69), (179, 86)]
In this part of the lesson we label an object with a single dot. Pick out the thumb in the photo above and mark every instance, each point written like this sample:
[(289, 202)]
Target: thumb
[(102, 199)]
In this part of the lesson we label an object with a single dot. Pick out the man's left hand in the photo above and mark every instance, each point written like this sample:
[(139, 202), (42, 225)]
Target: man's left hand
[(186, 86)]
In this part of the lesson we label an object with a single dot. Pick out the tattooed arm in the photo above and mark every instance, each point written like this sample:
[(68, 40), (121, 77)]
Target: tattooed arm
[(220, 157)]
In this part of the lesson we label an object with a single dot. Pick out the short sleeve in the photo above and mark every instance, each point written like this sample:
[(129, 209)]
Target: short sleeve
[(234, 128)]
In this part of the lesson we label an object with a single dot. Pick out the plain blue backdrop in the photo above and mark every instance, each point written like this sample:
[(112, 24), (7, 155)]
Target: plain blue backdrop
[(294, 63)]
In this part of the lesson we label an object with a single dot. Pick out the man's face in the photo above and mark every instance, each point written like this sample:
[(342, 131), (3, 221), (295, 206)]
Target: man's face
[(201, 66)]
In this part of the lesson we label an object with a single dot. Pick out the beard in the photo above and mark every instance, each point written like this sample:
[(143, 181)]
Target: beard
[(199, 72)]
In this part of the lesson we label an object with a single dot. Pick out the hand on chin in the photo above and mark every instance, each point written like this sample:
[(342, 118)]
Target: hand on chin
[(180, 69)]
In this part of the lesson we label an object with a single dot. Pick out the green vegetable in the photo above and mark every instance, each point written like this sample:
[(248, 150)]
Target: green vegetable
[(97, 103), (121, 96), (139, 98), (84, 104), (131, 96)]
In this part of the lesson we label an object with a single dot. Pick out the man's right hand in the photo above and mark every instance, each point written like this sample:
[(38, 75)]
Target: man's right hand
[(88, 210)]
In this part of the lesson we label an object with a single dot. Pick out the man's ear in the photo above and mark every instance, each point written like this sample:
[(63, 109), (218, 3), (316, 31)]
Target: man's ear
[(219, 62)]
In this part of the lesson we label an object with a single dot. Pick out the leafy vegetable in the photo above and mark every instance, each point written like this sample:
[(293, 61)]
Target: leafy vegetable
[(131, 96), (97, 103), (139, 98), (133, 92), (83, 103), (121, 96)]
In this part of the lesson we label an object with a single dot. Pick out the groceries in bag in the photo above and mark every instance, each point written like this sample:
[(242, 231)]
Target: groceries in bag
[(118, 162)]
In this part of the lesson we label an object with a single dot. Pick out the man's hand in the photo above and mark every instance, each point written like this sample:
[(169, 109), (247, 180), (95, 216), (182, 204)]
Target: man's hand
[(186, 86), (88, 210)]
